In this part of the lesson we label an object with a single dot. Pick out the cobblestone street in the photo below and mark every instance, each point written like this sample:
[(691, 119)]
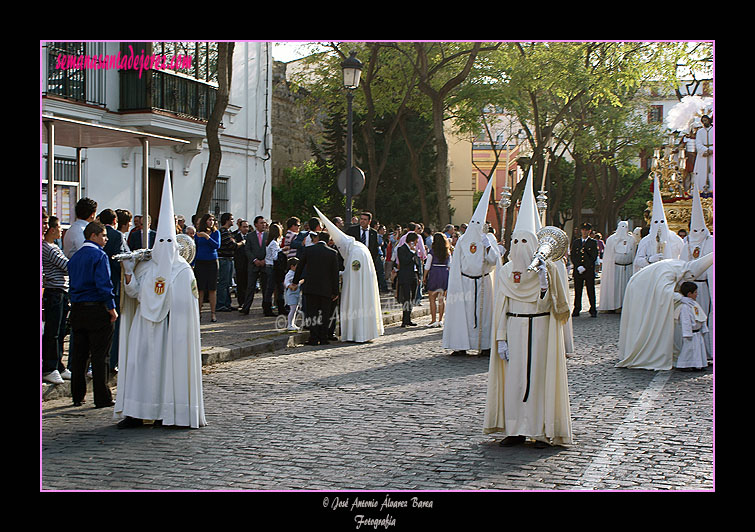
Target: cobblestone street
[(395, 414)]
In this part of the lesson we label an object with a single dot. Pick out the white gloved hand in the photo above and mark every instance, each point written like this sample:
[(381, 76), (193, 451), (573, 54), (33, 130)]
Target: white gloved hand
[(581, 269), (656, 257), (128, 266), (542, 274), (503, 349)]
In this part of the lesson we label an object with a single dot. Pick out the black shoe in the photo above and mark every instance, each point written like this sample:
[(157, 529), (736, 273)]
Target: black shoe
[(78, 403), (461, 352), (311, 342), (485, 353), (324, 342), (593, 314), (105, 405), (575, 314), (540, 445), (510, 441), (129, 423), (244, 311)]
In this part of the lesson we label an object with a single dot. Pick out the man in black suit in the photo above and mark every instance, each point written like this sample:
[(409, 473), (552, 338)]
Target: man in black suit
[(409, 268), (369, 237), (365, 234), (256, 242), (318, 266), (584, 252)]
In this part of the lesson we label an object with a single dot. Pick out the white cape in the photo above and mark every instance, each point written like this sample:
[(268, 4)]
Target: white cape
[(618, 258), (467, 326), (704, 286), (546, 414), (160, 363), (360, 313)]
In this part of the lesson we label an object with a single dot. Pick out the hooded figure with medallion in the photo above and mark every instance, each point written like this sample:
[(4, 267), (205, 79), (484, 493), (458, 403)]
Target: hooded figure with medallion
[(618, 266), (360, 314), (469, 298), (699, 242), (528, 391), (160, 359), (660, 243)]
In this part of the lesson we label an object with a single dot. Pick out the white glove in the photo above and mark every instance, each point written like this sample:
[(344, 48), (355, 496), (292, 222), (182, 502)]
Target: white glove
[(128, 266), (503, 349), (656, 257), (581, 269), (542, 274)]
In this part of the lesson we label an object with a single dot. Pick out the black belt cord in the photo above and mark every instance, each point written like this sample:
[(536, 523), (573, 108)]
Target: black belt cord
[(529, 345), (475, 294)]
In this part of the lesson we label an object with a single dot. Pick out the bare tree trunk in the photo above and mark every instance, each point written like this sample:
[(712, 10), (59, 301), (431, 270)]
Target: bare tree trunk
[(225, 70), (437, 97)]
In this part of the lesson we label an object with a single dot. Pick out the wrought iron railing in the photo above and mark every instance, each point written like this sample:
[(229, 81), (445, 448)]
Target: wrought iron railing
[(79, 84), (164, 91)]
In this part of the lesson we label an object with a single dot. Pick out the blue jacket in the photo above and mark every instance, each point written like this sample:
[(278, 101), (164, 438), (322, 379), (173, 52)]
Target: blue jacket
[(89, 276)]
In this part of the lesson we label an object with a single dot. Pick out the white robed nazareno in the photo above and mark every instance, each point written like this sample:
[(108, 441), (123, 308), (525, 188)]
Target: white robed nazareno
[(160, 359), (469, 298), (700, 242), (646, 333), (618, 259), (360, 314), (528, 399), (660, 243)]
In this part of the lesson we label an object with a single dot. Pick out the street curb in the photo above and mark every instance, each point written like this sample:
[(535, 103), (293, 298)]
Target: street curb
[(268, 345)]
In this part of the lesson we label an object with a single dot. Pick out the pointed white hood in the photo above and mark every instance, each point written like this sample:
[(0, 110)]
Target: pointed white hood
[(524, 236), (698, 231), (476, 227), (624, 240), (342, 241), (658, 223), (154, 297), (695, 268)]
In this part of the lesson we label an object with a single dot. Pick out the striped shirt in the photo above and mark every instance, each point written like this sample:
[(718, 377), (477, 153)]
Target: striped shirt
[(54, 267)]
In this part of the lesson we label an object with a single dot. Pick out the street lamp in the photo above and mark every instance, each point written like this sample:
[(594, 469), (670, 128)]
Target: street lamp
[(352, 71)]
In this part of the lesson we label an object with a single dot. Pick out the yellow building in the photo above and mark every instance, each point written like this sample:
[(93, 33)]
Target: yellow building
[(469, 168)]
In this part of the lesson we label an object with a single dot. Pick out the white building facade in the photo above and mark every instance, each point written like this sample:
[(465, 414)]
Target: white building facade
[(173, 98)]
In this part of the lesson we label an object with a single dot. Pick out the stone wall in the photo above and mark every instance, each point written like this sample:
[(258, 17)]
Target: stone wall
[(292, 126)]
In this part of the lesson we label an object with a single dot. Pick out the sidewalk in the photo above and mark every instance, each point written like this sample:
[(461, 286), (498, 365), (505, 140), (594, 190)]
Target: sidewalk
[(236, 336)]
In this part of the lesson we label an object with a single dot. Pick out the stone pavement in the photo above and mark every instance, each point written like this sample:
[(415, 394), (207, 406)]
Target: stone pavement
[(397, 413), (235, 336)]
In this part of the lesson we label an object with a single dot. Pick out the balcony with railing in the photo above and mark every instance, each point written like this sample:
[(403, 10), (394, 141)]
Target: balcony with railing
[(189, 92), (157, 90), (81, 85)]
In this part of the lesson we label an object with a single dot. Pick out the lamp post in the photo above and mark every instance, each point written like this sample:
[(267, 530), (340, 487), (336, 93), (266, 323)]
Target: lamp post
[(352, 70)]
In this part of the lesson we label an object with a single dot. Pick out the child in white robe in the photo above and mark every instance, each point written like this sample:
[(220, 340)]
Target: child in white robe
[(692, 355)]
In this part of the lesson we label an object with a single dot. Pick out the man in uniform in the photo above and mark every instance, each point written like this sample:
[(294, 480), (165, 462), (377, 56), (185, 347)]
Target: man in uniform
[(584, 253)]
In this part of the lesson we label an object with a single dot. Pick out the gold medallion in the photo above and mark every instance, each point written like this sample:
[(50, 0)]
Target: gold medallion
[(356, 265)]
